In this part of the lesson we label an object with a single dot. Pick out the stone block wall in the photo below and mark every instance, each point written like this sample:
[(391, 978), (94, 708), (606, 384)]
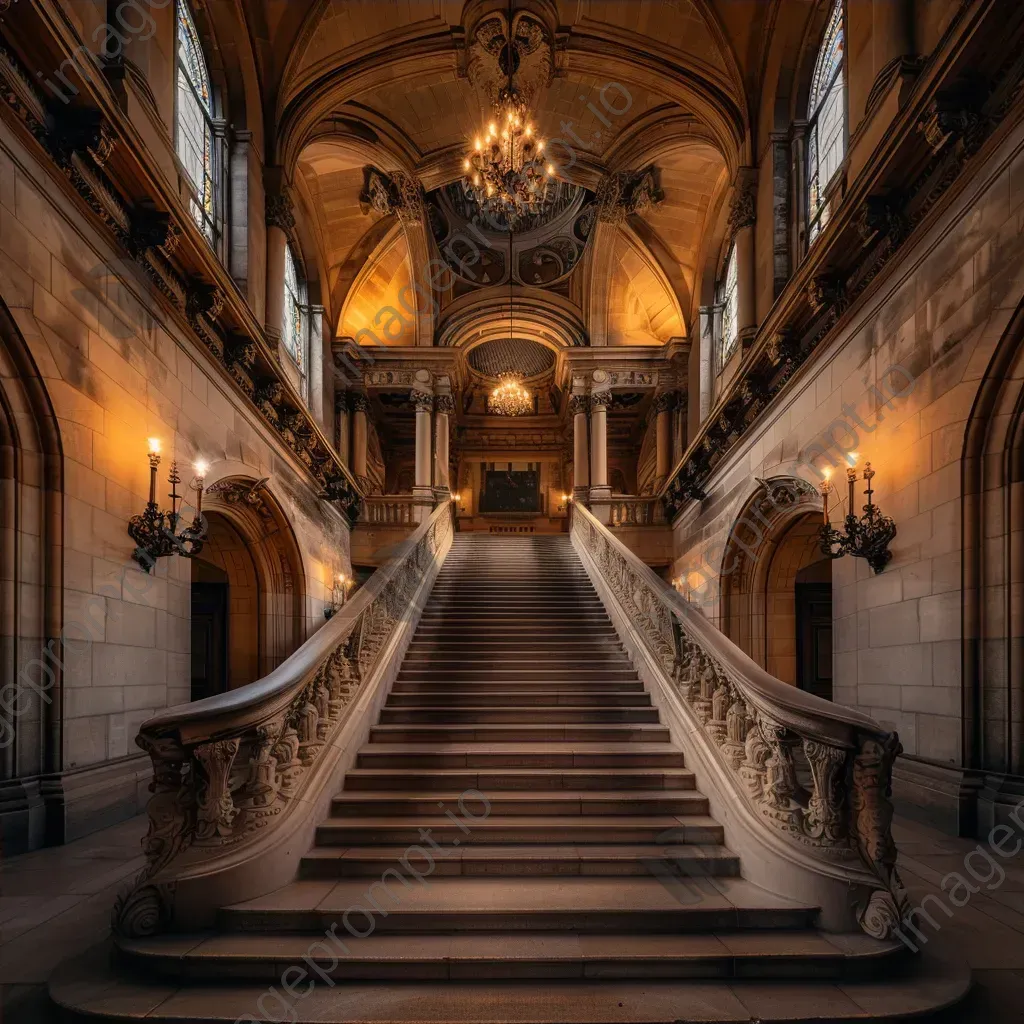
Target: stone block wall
[(118, 370), (896, 382)]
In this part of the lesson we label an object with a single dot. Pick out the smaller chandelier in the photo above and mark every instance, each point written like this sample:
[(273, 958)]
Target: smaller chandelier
[(867, 536), (505, 171), (510, 398)]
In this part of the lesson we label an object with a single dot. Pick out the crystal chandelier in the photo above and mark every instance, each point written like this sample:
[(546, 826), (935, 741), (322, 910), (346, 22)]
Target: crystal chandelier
[(505, 170), (510, 398)]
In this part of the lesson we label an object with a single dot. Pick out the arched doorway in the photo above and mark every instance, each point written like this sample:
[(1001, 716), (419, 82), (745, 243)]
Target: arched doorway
[(247, 589), (777, 586), (31, 595)]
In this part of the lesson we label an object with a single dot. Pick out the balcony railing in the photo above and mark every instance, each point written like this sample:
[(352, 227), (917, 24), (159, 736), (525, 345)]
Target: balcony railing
[(632, 510), (389, 510)]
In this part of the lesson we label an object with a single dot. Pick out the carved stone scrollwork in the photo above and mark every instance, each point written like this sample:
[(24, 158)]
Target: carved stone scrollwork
[(396, 193), (826, 293), (204, 300), (225, 791), (825, 811), (215, 810), (743, 211), (84, 130), (627, 192), (150, 229)]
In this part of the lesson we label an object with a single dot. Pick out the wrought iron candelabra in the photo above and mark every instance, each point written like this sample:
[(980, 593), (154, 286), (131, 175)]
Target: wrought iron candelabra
[(867, 536), (156, 533)]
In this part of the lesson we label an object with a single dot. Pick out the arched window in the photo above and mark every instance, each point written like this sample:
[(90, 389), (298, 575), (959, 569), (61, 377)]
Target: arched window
[(826, 122), (729, 332), (195, 142), (293, 332)]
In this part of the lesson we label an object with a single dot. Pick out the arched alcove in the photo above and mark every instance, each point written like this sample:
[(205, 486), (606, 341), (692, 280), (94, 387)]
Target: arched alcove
[(775, 583), (31, 580), (248, 588)]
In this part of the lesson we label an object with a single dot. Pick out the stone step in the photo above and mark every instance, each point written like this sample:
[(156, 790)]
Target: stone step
[(520, 755), (553, 675), (676, 865), (536, 803), (88, 989), (541, 699), (518, 659), (460, 688), (487, 956), (602, 829), (452, 904), (540, 732), (595, 645), (418, 714), (485, 780)]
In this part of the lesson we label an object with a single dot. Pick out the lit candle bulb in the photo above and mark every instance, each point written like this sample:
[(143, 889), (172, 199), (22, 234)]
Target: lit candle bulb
[(154, 461), (202, 467), (826, 486)]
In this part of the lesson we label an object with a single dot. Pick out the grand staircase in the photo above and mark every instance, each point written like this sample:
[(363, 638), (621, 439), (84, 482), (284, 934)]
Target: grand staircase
[(519, 840)]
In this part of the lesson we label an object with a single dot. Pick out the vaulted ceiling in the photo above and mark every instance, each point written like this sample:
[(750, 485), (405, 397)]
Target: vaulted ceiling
[(633, 84)]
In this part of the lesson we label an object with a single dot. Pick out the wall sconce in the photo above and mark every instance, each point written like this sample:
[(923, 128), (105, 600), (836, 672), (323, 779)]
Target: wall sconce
[(156, 533), (339, 592), (868, 536), (566, 498)]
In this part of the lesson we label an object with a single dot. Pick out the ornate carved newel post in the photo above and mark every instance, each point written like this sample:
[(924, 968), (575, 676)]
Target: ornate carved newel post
[(741, 223), (579, 403), (360, 407), (280, 220), (444, 407), (600, 399), (422, 397)]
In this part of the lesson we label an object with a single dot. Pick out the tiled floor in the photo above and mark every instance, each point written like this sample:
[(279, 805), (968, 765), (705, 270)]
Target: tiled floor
[(55, 903)]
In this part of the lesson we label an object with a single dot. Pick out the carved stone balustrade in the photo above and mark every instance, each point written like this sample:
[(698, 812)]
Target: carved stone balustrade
[(632, 510), (823, 834), (390, 510), (240, 779)]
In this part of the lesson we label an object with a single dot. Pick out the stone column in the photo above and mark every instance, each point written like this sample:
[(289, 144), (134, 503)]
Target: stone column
[(741, 223), (579, 404), (663, 406), (315, 383), (280, 220), (342, 425), (599, 402), (360, 407), (707, 362), (422, 488), (444, 407)]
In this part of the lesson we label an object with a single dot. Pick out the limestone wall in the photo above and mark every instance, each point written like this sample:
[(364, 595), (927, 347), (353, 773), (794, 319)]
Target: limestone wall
[(118, 371), (922, 339)]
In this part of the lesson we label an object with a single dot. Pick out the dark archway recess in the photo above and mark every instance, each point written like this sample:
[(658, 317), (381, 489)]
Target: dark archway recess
[(993, 583), (31, 601), (253, 550)]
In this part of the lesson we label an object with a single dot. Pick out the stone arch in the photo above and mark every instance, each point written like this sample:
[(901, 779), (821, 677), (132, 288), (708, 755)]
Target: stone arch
[(252, 542), (750, 573), (31, 569), (993, 570)]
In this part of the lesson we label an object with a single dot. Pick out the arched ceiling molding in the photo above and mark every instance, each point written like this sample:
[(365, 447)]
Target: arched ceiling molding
[(648, 238), (389, 150), (659, 133), (379, 321), (424, 56), (536, 314)]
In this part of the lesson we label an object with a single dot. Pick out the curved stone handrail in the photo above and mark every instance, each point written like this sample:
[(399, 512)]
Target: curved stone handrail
[(244, 775), (741, 729)]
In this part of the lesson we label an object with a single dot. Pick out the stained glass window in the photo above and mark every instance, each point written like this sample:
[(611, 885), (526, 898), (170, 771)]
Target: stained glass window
[(730, 313), (294, 303), (826, 117), (195, 138)]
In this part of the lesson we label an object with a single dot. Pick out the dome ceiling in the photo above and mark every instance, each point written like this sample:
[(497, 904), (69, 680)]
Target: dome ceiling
[(511, 355)]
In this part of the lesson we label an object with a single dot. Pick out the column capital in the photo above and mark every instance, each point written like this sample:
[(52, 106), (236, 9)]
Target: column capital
[(444, 404), (423, 400), (664, 401), (600, 400), (280, 212), (743, 210), (359, 402), (579, 404)]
